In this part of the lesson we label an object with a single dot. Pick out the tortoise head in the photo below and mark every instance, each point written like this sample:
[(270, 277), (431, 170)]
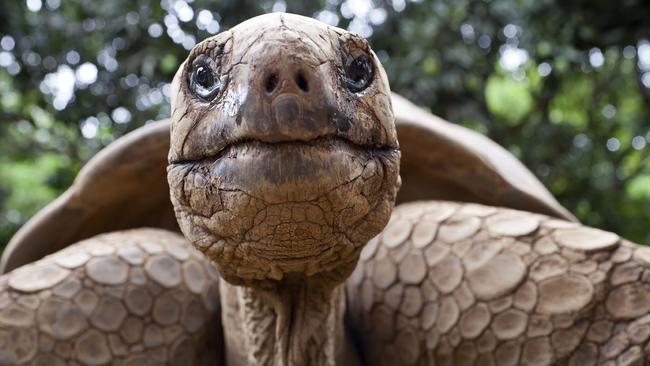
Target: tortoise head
[(284, 159)]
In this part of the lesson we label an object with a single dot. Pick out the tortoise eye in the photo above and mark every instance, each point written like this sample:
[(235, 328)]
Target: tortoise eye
[(359, 73), (203, 79)]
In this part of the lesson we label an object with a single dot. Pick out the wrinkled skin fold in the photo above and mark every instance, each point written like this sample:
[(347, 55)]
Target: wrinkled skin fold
[(282, 166), (308, 218), (290, 180), (283, 163)]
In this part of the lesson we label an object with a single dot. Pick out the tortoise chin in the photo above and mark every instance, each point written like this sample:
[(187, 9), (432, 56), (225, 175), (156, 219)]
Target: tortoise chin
[(283, 155), (265, 210)]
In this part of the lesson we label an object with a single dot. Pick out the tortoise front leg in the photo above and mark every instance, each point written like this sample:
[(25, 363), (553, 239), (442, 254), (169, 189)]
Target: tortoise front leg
[(464, 284), (139, 297)]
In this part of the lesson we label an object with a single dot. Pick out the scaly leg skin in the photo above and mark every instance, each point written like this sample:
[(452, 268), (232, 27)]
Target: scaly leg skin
[(464, 284), (138, 297)]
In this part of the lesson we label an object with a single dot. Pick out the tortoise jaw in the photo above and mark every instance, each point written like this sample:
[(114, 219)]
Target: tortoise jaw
[(286, 170), (289, 171), (231, 147), (260, 210)]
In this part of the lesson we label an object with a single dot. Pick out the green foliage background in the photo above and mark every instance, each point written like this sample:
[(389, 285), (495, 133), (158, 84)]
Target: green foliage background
[(564, 85)]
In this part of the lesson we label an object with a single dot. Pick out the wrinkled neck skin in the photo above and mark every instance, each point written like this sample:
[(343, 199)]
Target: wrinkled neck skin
[(283, 163), (300, 322)]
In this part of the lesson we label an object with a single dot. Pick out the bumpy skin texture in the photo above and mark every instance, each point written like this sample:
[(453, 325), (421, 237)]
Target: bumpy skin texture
[(462, 284), (445, 283), (281, 175), (281, 180), (139, 297), (285, 170)]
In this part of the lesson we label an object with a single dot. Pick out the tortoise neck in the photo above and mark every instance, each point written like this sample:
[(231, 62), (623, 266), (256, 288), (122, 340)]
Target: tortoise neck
[(295, 324)]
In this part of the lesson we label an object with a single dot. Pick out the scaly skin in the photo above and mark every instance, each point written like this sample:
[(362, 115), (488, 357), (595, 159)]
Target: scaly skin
[(463, 284), (253, 170), (445, 284), (281, 178), (139, 297)]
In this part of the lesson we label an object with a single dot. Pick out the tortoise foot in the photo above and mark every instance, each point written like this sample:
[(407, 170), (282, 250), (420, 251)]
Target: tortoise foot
[(138, 297)]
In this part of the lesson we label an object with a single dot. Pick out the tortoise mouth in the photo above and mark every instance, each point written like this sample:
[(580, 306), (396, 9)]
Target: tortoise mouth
[(287, 171), (327, 143)]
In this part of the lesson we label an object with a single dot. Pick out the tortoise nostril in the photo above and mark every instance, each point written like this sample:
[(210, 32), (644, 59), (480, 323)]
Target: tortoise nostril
[(271, 83), (302, 83)]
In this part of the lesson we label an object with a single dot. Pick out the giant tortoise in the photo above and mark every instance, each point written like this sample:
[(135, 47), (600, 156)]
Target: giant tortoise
[(281, 244)]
